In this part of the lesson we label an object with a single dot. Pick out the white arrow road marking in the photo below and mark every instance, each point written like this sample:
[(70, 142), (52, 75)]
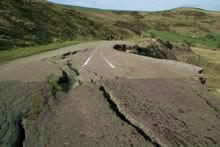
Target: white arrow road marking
[(87, 61), (109, 63)]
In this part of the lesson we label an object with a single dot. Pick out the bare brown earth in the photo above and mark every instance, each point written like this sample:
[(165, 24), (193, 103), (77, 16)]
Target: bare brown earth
[(117, 99)]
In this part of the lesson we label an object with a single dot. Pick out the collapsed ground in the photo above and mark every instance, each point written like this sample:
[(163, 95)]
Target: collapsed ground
[(66, 116), (32, 24), (160, 103), (160, 49)]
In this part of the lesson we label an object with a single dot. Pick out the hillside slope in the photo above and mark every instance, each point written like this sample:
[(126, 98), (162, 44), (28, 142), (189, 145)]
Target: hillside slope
[(26, 24), (29, 24), (182, 24)]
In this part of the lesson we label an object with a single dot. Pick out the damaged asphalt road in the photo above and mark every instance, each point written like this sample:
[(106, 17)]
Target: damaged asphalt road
[(91, 94)]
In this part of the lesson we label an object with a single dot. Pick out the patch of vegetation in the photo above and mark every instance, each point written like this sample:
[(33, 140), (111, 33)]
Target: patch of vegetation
[(218, 46), (193, 59), (63, 82), (153, 35), (135, 14), (28, 51), (52, 80), (135, 26), (209, 41), (210, 36), (35, 107)]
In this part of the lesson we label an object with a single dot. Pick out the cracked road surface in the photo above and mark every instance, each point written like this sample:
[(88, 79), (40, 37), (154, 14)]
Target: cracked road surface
[(124, 99)]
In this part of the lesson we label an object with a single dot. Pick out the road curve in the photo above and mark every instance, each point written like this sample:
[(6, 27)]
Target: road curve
[(125, 99)]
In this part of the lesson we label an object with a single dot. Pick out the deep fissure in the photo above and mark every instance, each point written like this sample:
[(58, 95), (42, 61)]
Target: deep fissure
[(21, 133), (115, 108), (208, 103)]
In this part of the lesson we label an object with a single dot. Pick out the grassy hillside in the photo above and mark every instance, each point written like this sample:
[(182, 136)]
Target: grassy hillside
[(195, 26), (30, 24)]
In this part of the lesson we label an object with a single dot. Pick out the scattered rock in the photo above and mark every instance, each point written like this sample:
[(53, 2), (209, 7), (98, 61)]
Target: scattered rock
[(167, 43), (120, 47), (203, 80), (80, 82), (201, 71)]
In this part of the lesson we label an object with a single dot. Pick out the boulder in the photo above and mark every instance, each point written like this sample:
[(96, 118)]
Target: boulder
[(120, 47)]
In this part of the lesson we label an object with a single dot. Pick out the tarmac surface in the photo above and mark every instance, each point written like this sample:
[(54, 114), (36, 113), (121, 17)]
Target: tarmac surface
[(121, 99)]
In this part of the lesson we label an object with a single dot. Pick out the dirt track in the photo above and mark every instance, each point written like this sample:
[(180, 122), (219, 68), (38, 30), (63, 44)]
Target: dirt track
[(124, 99)]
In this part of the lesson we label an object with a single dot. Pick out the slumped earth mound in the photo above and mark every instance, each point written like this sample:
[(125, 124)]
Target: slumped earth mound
[(156, 49)]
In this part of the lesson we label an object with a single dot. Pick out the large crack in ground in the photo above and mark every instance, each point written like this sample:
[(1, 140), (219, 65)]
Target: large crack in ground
[(209, 104), (20, 131), (25, 102), (70, 66), (136, 125), (22, 103)]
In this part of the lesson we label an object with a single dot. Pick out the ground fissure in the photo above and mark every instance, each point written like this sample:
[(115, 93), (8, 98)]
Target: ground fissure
[(114, 107)]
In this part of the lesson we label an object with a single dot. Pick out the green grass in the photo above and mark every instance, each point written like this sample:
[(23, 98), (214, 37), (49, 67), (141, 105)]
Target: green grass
[(52, 81), (29, 51), (36, 107), (196, 41)]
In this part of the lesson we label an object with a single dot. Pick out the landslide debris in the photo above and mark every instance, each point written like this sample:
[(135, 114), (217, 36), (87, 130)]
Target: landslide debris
[(156, 48)]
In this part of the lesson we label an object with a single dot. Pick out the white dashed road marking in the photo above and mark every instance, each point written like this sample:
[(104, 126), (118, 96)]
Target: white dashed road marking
[(87, 61), (109, 63)]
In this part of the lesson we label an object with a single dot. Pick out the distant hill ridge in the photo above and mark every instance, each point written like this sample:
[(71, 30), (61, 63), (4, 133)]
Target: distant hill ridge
[(30, 24), (44, 1), (100, 9)]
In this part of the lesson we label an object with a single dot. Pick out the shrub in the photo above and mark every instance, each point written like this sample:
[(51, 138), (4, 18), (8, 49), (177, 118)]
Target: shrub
[(153, 35), (188, 43), (218, 45), (210, 36)]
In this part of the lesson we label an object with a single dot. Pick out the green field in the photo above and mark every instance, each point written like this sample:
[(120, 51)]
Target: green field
[(211, 40)]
